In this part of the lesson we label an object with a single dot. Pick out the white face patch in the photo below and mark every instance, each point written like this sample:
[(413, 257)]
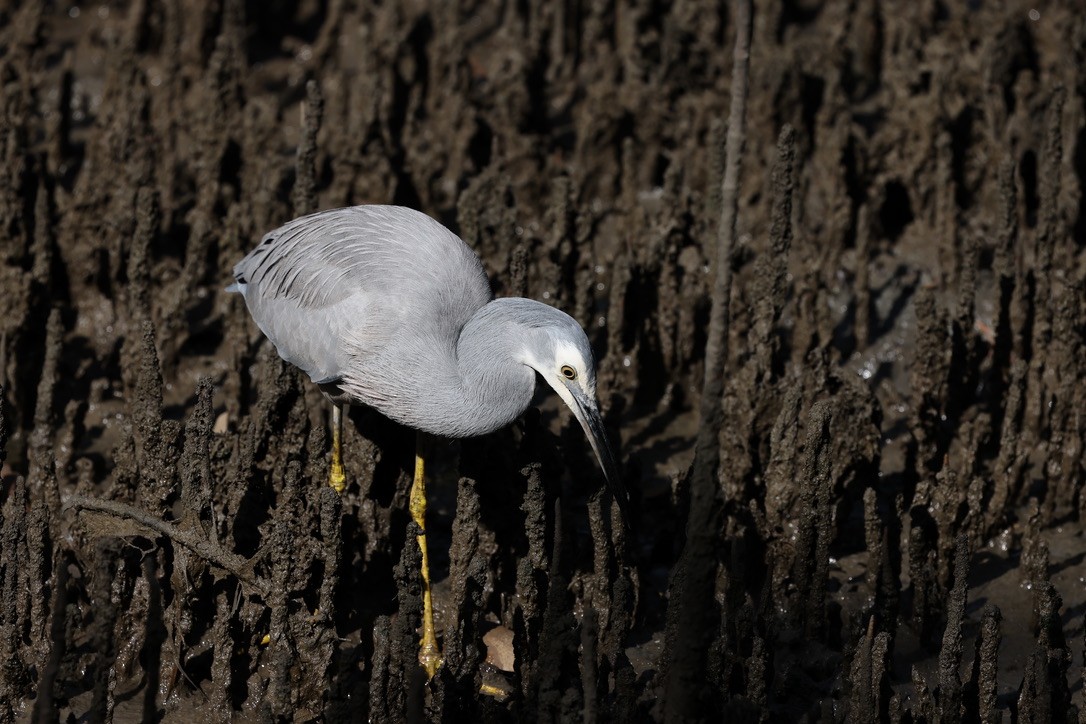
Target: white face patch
[(565, 353)]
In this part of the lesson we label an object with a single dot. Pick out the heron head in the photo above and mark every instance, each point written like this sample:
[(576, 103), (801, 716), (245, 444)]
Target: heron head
[(559, 351)]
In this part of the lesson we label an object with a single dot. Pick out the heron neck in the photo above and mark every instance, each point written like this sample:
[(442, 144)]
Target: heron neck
[(495, 386)]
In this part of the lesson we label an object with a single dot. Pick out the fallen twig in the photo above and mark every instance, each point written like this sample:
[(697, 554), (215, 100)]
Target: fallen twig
[(213, 553)]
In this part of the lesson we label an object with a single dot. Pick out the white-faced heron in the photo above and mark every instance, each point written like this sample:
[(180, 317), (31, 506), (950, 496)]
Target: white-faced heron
[(383, 306)]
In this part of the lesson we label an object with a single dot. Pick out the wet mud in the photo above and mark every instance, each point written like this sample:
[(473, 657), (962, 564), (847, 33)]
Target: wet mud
[(876, 514)]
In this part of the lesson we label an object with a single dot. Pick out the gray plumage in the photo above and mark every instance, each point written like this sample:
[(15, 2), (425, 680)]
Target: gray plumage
[(397, 311)]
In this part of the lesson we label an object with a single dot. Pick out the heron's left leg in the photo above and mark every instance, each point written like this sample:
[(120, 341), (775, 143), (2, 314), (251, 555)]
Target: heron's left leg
[(429, 654), (337, 478)]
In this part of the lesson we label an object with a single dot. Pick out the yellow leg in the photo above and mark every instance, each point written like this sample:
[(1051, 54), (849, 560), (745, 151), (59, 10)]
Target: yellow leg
[(337, 478), (429, 654)]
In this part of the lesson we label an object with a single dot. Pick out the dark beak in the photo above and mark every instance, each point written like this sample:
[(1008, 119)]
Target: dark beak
[(588, 414)]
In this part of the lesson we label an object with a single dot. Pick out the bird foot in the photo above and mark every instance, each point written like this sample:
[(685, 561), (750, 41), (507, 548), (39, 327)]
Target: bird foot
[(337, 478), (430, 658)]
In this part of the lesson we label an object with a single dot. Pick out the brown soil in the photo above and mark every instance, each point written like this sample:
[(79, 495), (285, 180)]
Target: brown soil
[(894, 531)]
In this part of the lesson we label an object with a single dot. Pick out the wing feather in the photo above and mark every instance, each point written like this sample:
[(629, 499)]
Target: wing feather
[(337, 288)]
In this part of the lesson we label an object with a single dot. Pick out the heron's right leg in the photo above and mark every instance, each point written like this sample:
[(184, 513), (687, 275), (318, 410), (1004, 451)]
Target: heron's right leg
[(337, 478), (429, 653)]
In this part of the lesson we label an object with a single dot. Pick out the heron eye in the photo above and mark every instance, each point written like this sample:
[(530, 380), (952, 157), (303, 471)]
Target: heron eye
[(568, 372)]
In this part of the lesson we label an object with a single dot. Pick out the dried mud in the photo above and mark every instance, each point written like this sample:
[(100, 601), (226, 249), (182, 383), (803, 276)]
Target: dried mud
[(892, 527)]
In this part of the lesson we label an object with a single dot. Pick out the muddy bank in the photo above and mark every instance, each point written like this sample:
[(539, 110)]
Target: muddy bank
[(894, 529)]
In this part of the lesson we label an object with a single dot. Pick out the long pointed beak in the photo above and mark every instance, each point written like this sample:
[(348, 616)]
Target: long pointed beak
[(587, 413)]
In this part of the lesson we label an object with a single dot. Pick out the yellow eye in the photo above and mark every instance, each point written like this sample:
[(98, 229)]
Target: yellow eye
[(568, 372)]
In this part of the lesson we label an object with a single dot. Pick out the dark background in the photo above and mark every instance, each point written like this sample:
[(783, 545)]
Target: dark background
[(901, 459)]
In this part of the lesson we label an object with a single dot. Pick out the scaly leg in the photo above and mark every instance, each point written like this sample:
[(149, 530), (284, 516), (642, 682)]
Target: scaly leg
[(337, 478), (429, 654)]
